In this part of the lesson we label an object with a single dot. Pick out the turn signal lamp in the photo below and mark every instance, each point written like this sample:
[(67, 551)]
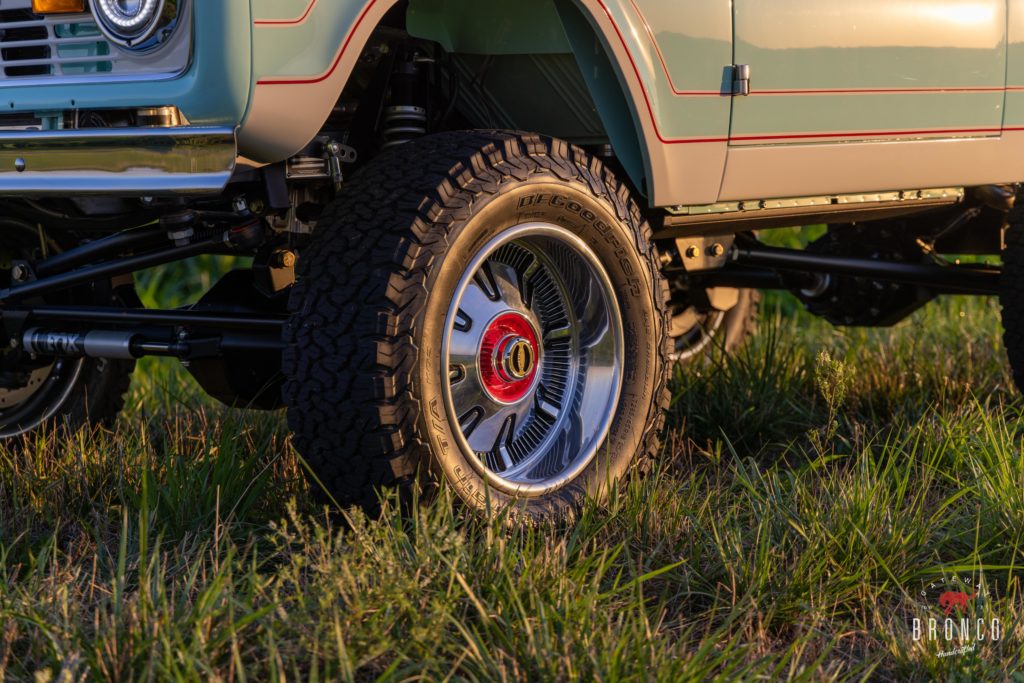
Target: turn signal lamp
[(58, 6)]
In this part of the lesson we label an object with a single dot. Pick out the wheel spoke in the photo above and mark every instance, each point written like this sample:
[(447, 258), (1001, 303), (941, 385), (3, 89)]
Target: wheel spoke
[(506, 279), (484, 279), (524, 278), (501, 444), (456, 373), (488, 431), (471, 420), (479, 306), (568, 442), (546, 405), (556, 335), (468, 392), (463, 323)]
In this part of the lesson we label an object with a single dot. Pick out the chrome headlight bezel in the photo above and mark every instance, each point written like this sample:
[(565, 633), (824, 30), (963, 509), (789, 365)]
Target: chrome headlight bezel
[(144, 26)]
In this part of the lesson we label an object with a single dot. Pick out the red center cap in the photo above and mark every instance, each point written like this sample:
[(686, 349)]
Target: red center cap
[(508, 358)]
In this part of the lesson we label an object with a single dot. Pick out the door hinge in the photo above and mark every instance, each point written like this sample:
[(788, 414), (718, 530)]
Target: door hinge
[(741, 79)]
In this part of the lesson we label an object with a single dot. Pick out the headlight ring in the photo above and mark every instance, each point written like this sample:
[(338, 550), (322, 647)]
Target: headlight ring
[(136, 24)]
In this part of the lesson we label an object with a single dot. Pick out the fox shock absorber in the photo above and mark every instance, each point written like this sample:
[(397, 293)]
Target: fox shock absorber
[(98, 344)]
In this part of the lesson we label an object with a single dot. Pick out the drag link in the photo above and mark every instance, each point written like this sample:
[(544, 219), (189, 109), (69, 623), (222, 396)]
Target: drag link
[(982, 280), (235, 240)]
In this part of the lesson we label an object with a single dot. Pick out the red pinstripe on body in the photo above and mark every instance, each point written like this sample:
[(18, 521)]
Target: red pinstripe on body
[(288, 22), (664, 64), (646, 96), (866, 134), (337, 61), (799, 91), (884, 91)]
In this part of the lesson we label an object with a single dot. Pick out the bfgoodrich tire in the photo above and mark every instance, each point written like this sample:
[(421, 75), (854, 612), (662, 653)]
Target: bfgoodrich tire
[(483, 309), (1011, 295)]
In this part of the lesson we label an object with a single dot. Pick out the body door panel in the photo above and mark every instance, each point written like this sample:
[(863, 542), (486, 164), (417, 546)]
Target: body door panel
[(874, 95), (682, 50), (871, 69)]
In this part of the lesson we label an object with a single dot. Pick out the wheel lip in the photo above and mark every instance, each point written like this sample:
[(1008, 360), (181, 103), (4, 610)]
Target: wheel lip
[(616, 325), (53, 407)]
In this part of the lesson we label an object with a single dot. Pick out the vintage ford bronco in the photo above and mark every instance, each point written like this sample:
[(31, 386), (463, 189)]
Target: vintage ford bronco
[(483, 232)]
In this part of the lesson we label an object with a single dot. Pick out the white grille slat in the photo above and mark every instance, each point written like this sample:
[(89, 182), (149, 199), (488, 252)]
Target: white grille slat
[(53, 61), (23, 57), (60, 42)]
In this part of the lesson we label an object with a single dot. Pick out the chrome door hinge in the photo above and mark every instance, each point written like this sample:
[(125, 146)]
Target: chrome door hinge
[(741, 79)]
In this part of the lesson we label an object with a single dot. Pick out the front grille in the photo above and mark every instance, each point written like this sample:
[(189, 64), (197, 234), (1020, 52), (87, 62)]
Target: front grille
[(32, 46)]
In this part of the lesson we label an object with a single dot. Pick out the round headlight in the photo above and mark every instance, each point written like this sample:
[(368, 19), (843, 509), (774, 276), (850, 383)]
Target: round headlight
[(135, 23)]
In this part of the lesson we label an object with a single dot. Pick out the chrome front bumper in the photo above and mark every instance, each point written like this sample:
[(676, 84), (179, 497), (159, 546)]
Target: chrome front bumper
[(116, 161)]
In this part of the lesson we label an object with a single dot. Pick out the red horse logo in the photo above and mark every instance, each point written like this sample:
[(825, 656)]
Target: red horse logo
[(955, 600)]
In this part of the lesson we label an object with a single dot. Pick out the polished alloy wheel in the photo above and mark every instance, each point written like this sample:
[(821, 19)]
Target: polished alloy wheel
[(533, 352)]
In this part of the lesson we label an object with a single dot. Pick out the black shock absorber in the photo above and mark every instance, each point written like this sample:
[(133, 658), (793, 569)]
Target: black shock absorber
[(405, 113)]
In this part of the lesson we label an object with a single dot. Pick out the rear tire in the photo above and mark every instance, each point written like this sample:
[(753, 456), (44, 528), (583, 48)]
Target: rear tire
[(1011, 296), (696, 333), (428, 309)]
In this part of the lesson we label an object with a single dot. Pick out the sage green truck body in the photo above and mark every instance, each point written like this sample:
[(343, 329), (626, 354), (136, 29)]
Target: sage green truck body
[(845, 97), (842, 98)]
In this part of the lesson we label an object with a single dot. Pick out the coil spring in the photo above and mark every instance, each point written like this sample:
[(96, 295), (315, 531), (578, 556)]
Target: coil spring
[(403, 124)]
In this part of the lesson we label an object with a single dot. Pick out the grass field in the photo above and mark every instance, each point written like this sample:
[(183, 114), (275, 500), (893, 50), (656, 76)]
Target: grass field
[(809, 489)]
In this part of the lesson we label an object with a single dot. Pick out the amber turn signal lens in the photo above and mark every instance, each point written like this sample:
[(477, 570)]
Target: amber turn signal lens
[(57, 6)]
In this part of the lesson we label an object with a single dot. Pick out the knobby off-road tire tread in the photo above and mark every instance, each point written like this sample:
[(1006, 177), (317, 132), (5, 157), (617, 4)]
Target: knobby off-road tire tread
[(361, 291), (1011, 295)]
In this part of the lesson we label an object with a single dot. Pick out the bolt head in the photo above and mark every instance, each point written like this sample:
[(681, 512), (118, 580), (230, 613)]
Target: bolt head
[(717, 250), (20, 165), (692, 251)]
